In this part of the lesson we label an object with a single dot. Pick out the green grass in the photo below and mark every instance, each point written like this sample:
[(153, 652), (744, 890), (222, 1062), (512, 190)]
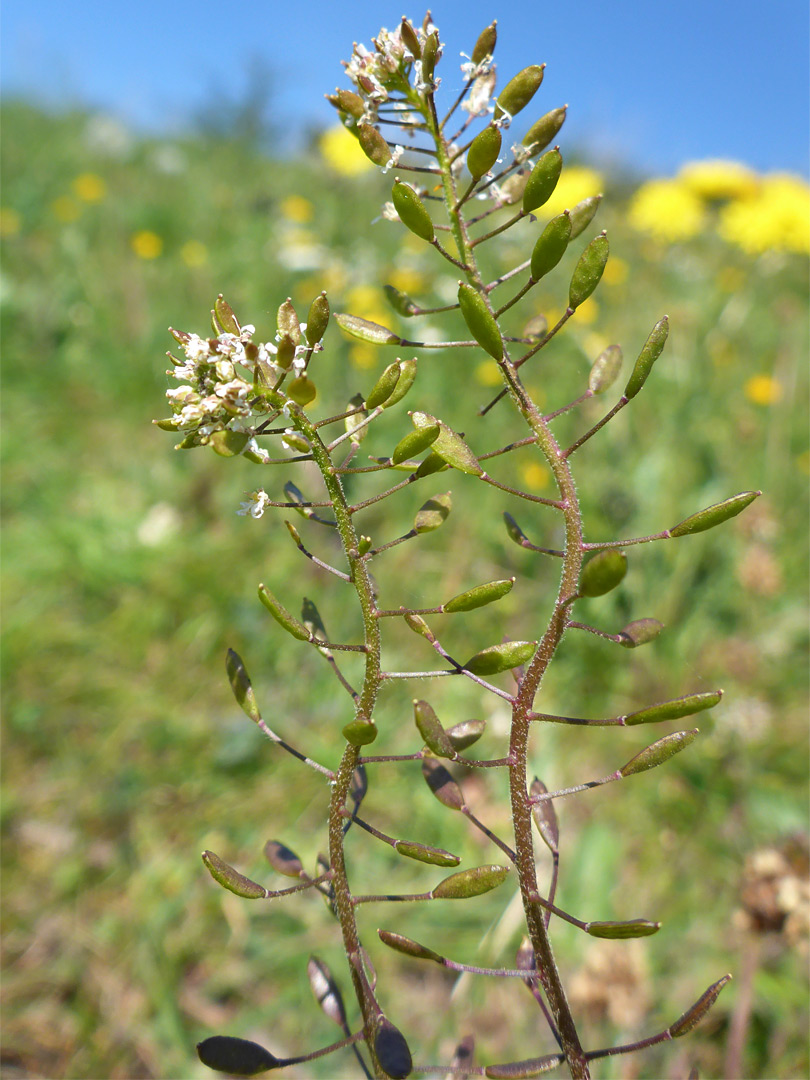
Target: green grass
[(124, 753)]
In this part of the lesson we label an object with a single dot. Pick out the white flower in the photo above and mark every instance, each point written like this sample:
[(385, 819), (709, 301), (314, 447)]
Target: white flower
[(477, 102), (196, 348), (255, 505)]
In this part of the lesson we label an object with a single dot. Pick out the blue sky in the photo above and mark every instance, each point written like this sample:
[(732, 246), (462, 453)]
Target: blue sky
[(649, 83)]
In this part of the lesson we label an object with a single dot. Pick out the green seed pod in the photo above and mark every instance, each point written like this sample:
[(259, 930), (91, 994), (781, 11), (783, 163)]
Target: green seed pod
[(285, 354), (171, 423), (441, 783), (545, 817), (224, 315), (692, 1017), (349, 102), (425, 854), (430, 54), (242, 686), (282, 616), (536, 328), (542, 181), (513, 187), (653, 347), (588, 271), (674, 710), (294, 440), (390, 1047), (465, 733), (407, 374), (326, 991), (373, 144), (365, 330), (519, 91), (605, 370), (282, 859), (229, 443), (409, 38), (521, 1070), (485, 45), (431, 730), (503, 657), (659, 752), (433, 514), (432, 464), (231, 879), (544, 130), (483, 152), (514, 530), (631, 928), (402, 304), (354, 421), (418, 625), (480, 320), (479, 596), (295, 495), (412, 211), (287, 321), (318, 319), (583, 214), (602, 573), (408, 946), (450, 446), (640, 632), (360, 732), (473, 882), (551, 245), (302, 390), (414, 443), (715, 515), (312, 619), (384, 387), (236, 1057)]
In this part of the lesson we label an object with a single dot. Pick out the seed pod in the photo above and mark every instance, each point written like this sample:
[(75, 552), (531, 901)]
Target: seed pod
[(433, 514), (519, 91), (485, 45), (225, 316), (349, 102), (282, 859), (521, 1070), (551, 245), (441, 783), (295, 495), (409, 38), (431, 730), (536, 328), (407, 374), (422, 853), (415, 442), (360, 732), (402, 304), (285, 354), (384, 387), (674, 710), (503, 657), (588, 271), (465, 733), (640, 632), (605, 370), (653, 347), (236, 1057), (583, 214), (659, 752), (282, 616), (432, 464), (365, 330), (353, 423), (632, 928), (171, 423), (480, 320), (542, 181), (483, 152), (312, 619), (390, 1047), (545, 817), (231, 879), (715, 515), (229, 443), (473, 882), (692, 1017), (450, 446), (602, 573), (287, 321), (462, 1062), (408, 946), (514, 531), (513, 187), (544, 130), (412, 211), (373, 144), (479, 596), (326, 991), (302, 390), (418, 625), (294, 440), (318, 319), (242, 686)]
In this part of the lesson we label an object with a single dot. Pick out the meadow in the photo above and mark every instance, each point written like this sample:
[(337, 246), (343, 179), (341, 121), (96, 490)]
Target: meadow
[(127, 574)]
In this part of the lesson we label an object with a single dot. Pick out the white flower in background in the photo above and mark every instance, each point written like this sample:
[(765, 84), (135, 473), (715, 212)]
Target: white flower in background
[(255, 505)]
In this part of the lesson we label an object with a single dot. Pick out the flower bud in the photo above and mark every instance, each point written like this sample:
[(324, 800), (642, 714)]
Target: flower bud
[(715, 515), (605, 370), (485, 45), (544, 130), (483, 152), (412, 211), (231, 879), (479, 596), (588, 271), (551, 245), (519, 91), (373, 144), (384, 387), (236, 1057), (318, 319), (602, 573), (480, 320), (503, 657), (365, 330), (431, 730), (674, 710), (432, 514), (473, 882), (659, 752), (542, 180)]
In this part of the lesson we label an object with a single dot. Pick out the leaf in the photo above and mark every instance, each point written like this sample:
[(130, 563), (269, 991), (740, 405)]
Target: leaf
[(238, 1057), (479, 596), (231, 879), (503, 657), (468, 883), (715, 515)]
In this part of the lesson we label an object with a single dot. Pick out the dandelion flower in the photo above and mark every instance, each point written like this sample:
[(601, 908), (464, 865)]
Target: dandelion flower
[(147, 244), (89, 188), (668, 210), (763, 390), (776, 218), (719, 180), (575, 184), (342, 152)]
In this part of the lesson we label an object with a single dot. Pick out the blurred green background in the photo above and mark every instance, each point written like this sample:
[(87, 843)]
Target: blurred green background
[(127, 573)]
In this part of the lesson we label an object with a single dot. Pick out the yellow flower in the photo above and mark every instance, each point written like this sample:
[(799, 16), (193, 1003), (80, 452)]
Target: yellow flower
[(666, 209), (576, 184), (194, 253), (65, 209), (342, 152), (776, 218), (298, 209), (588, 311), (10, 221), (363, 355), (89, 188), (488, 374), (146, 244), (407, 280), (763, 390), (616, 271), (536, 477), (713, 180)]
